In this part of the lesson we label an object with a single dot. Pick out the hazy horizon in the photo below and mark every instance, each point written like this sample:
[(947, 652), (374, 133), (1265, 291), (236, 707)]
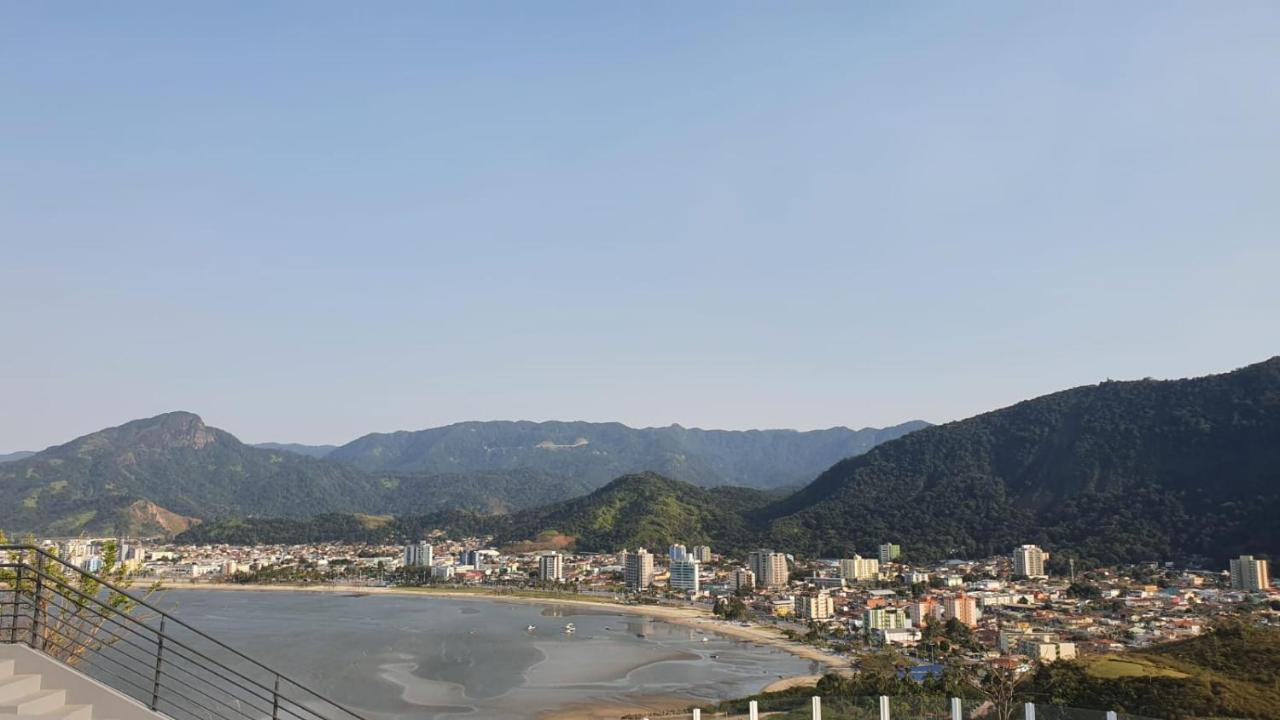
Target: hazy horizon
[(307, 222)]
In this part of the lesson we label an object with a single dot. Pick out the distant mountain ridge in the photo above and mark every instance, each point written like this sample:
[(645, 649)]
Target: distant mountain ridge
[(315, 451), (1107, 473), (16, 456), (163, 474), (596, 453)]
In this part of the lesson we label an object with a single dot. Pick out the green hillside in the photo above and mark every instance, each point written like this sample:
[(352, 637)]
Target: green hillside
[(154, 476), (1120, 471), (633, 511), (645, 510), (1233, 671), (176, 462)]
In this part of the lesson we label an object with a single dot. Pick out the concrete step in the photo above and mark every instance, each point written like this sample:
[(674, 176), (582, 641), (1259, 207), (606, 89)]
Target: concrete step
[(41, 701), (6, 668), (16, 686), (66, 712)]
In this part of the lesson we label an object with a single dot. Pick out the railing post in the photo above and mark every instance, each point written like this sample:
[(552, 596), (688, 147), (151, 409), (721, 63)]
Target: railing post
[(275, 699), (817, 708), (753, 710), (1111, 715), (1029, 711), (36, 599), (17, 586), (957, 709), (155, 685), (884, 707), (697, 714)]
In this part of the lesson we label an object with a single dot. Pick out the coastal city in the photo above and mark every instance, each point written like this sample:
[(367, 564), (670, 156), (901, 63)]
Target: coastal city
[(1006, 609)]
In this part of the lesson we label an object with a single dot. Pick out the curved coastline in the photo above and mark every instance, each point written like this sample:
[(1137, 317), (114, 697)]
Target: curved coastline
[(692, 617)]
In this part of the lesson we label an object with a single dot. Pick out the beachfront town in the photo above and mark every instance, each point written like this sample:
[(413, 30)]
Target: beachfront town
[(1005, 609)]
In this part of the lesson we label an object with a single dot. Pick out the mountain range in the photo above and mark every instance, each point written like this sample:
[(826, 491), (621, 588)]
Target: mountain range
[(1112, 472), (162, 474), (1107, 473), (595, 453)]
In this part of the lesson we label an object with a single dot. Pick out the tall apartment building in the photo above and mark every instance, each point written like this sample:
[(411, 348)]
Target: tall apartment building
[(859, 568), (815, 606), (769, 567), (924, 611), (677, 553), (743, 578), (889, 552), (702, 553), (962, 608), (684, 575), (471, 558), (1249, 574), (419, 554), (1029, 560), (551, 567), (885, 619), (637, 569)]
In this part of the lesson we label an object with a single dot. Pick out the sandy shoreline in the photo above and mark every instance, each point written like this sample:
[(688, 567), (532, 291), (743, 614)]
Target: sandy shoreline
[(694, 617)]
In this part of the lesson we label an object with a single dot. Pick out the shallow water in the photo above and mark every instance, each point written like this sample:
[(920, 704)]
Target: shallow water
[(431, 657)]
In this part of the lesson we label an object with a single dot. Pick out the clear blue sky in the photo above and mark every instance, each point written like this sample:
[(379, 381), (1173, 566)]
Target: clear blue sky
[(306, 221)]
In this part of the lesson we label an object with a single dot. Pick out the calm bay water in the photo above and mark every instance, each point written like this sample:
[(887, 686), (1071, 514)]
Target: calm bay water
[(430, 657)]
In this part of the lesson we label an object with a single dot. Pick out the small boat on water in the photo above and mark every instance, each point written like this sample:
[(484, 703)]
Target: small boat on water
[(570, 628), (531, 628)]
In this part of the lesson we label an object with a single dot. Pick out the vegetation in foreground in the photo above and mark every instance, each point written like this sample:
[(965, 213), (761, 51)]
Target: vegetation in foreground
[(1233, 671)]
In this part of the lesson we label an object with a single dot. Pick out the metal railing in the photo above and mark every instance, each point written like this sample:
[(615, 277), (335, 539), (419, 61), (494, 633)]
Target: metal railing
[(140, 650)]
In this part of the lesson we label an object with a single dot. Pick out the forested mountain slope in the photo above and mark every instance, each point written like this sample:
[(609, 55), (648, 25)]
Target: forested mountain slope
[(1116, 471)]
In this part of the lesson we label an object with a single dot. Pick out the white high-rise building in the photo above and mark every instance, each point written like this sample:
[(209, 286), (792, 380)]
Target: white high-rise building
[(743, 578), (551, 567), (1028, 560), (1249, 574), (815, 606), (637, 569), (702, 553), (769, 567), (678, 553), (859, 568), (684, 575), (419, 554)]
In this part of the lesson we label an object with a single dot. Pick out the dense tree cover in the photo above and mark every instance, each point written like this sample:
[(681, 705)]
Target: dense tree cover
[(595, 453), (646, 510), (1120, 471), (633, 511)]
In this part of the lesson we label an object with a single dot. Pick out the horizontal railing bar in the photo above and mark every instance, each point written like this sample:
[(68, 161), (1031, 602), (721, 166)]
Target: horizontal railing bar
[(101, 628), (104, 657), (144, 603), (176, 642), (170, 688), (220, 701), (178, 653), (143, 662)]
